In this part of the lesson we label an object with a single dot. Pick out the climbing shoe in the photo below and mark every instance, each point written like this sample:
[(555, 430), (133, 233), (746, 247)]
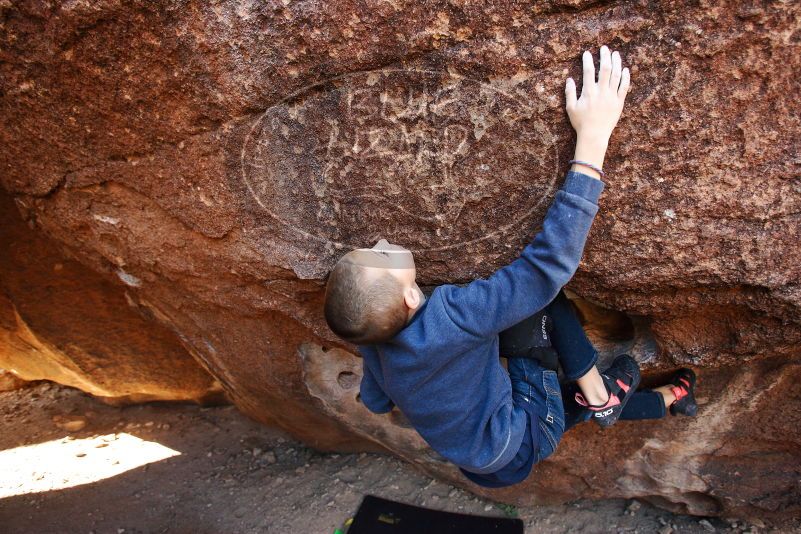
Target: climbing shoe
[(620, 378), (682, 385)]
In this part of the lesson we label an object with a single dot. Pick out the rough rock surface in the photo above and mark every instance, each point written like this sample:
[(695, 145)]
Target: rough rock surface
[(218, 157), (63, 322), (10, 382)]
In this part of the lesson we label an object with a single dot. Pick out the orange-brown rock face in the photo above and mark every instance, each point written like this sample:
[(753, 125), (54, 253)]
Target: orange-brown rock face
[(61, 321), (214, 160)]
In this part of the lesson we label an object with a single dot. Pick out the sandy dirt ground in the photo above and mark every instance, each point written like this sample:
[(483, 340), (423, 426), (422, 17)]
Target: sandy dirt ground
[(69, 463)]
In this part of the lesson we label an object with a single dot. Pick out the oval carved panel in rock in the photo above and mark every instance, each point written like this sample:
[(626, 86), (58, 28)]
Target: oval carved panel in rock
[(423, 158)]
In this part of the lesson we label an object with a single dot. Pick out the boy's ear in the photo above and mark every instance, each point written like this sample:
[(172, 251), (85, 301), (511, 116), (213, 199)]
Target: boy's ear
[(411, 298)]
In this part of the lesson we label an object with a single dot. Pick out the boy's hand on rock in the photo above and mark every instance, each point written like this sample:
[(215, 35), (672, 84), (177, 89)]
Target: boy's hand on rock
[(595, 114)]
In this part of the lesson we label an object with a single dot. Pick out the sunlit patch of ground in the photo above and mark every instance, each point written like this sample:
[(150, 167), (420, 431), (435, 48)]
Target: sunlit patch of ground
[(68, 462)]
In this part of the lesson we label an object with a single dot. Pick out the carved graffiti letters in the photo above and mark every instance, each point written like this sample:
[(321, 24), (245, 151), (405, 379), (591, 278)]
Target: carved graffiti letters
[(409, 155)]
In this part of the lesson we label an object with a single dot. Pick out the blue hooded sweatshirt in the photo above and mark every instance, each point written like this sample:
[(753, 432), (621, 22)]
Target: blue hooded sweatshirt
[(443, 371)]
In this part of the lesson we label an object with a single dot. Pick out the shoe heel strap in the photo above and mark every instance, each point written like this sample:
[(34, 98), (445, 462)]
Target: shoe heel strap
[(613, 401), (678, 392)]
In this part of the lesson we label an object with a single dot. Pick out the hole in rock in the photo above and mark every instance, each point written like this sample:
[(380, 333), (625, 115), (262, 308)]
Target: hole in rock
[(347, 380), (358, 397), (605, 323), (690, 502), (613, 332)]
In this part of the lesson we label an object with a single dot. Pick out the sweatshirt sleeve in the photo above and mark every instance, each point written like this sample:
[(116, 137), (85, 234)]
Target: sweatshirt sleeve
[(522, 288), (373, 397)]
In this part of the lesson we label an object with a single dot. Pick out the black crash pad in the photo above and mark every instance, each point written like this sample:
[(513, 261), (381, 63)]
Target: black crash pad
[(380, 516)]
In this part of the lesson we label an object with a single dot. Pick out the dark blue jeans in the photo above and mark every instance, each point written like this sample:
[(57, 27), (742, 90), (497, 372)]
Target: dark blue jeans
[(577, 356), (536, 390), (552, 407)]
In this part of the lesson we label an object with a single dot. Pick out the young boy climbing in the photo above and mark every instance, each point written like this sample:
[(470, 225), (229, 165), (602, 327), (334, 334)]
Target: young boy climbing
[(437, 358)]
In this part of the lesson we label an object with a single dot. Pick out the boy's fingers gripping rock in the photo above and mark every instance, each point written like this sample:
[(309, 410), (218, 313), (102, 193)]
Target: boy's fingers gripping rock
[(617, 66), (589, 73), (570, 93), (625, 81), (605, 69)]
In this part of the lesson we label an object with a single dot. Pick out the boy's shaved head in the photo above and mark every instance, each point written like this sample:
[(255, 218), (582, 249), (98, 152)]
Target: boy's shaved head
[(364, 304), (372, 293)]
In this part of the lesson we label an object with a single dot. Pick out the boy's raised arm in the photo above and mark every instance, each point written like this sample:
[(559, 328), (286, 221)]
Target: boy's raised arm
[(514, 292)]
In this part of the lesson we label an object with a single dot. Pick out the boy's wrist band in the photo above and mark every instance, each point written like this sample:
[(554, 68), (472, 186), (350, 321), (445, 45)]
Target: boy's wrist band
[(586, 164)]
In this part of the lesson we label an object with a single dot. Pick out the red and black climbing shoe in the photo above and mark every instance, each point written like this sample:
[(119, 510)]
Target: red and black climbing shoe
[(682, 385), (620, 378)]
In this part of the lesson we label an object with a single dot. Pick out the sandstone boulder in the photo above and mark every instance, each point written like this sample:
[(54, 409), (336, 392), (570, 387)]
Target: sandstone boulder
[(217, 158), (10, 381), (60, 321)]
